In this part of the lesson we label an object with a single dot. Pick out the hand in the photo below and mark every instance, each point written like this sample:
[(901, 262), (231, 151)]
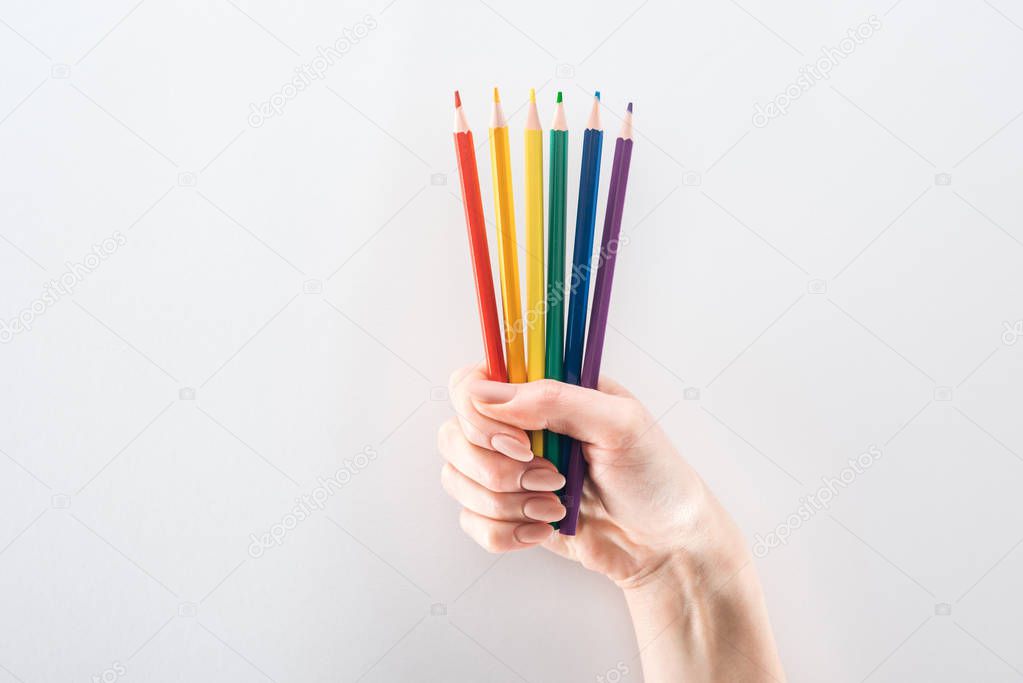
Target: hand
[(647, 520), (642, 504)]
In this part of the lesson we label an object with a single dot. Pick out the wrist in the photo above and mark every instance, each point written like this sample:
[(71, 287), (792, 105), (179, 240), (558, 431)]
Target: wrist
[(694, 573), (705, 544), (700, 610)]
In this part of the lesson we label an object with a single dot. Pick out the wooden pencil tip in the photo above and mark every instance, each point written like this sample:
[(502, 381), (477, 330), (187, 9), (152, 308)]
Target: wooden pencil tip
[(593, 122), (458, 100), (532, 95), (497, 96), (629, 108), (559, 96)]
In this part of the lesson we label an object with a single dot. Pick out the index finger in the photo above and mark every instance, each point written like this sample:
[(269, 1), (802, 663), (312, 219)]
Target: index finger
[(479, 429)]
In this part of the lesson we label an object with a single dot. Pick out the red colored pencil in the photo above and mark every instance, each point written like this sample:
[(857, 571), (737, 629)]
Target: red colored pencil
[(476, 225)]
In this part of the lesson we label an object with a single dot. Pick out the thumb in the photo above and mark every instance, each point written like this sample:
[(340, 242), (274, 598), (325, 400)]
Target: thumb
[(609, 421)]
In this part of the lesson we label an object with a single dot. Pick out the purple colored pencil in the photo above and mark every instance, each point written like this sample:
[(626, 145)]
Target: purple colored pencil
[(598, 313)]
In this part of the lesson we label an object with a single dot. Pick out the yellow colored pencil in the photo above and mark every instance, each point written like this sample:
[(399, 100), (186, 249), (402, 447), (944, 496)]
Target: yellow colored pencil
[(535, 292), (507, 255)]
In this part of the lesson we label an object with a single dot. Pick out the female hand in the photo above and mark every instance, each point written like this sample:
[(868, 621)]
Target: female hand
[(647, 520), (642, 504)]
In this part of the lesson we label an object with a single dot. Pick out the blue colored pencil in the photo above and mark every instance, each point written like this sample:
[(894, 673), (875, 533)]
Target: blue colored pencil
[(582, 251)]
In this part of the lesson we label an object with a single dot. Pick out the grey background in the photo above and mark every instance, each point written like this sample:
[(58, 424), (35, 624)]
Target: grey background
[(291, 294)]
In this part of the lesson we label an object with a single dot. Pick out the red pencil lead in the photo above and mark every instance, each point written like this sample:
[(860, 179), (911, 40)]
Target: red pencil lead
[(458, 100)]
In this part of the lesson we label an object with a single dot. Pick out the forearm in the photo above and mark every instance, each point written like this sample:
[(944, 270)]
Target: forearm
[(701, 616)]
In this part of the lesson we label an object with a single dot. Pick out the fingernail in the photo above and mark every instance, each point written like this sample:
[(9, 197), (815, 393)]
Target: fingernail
[(533, 533), (541, 479), (544, 509), (511, 447), (491, 392)]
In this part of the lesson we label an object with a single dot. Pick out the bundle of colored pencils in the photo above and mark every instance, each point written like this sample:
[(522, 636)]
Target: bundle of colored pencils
[(551, 349)]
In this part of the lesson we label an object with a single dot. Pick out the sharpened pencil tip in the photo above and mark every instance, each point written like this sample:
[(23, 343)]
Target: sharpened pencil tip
[(559, 96), (629, 108), (597, 94), (532, 95), (458, 100), (497, 96)]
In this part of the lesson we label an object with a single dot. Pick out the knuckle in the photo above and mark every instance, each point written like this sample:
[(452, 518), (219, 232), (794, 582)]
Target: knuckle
[(453, 380), (635, 421), (446, 472), (457, 379), (551, 392), (442, 438), (446, 434)]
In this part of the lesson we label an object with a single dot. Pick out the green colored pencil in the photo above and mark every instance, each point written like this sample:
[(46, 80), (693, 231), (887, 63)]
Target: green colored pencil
[(555, 352)]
